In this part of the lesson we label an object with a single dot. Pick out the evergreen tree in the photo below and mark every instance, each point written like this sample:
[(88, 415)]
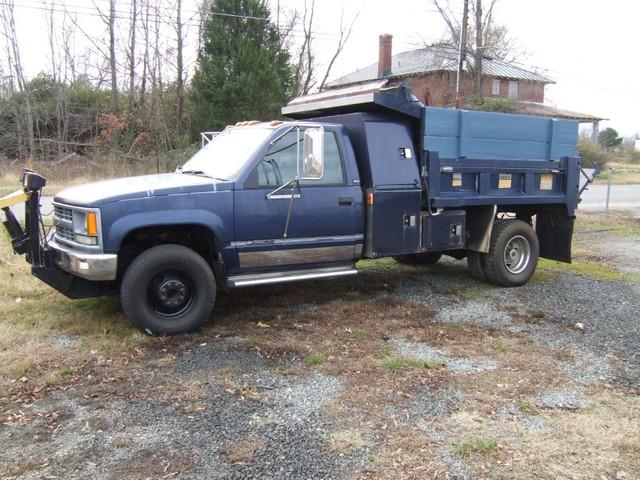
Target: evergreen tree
[(608, 139), (243, 69)]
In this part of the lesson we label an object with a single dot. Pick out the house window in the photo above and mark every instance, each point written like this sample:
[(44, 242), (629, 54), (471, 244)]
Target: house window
[(513, 88), (495, 87)]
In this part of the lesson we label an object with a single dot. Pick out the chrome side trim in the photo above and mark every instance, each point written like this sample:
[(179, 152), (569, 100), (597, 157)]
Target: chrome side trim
[(92, 266), (284, 196), (298, 241), (285, 277), (292, 256)]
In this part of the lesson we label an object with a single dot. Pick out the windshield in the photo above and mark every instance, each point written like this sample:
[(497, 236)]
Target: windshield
[(225, 155)]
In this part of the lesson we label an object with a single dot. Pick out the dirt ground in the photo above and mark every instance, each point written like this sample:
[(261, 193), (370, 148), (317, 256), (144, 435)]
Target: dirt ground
[(402, 372)]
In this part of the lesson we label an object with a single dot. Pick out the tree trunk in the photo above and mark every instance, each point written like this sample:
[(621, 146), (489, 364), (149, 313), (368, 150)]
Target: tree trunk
[(179, 67), (132, 55), (112, 55)]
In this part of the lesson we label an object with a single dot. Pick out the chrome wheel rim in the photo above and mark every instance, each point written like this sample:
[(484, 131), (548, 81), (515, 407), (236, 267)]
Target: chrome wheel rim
[(517, 254)]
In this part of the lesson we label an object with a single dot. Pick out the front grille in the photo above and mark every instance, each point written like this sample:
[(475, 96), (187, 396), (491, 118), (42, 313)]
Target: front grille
[(64, 233), (63, 213)]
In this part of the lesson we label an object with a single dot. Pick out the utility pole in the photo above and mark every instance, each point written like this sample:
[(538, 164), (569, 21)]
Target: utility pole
[(462, 53), (477, 61)]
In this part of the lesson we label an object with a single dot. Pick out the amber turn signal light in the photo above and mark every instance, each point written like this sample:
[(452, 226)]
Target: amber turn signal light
[(92, 224)]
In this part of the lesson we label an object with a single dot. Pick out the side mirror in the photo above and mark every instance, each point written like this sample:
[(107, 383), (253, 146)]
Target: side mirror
[(313, 154)]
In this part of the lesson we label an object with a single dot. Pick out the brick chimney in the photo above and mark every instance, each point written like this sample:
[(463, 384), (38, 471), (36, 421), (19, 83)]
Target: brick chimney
[(384, 55)]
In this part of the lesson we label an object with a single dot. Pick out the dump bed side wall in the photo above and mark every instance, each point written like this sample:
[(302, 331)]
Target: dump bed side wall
[(491, 136)]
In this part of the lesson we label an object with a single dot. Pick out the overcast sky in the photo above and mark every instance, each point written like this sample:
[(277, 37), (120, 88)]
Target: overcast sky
[(586, 46)]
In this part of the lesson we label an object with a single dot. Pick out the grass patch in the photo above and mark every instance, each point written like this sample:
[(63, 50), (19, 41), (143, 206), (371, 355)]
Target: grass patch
[(499, 345), (67, 371), (316, 358), (623, 174), (395, 364), (482, 446), (616, 224), (526, 406), (597, 271)]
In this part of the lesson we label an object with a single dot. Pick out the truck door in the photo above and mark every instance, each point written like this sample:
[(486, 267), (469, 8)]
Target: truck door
[(327, 215)]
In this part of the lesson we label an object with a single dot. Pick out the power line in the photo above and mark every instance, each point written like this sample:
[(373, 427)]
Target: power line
[(120, 15)]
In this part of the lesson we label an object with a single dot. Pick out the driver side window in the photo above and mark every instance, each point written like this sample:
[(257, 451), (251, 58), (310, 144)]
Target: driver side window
[(279, 164)]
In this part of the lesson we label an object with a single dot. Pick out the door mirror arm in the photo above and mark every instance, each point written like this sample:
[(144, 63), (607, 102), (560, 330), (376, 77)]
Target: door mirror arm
[(276, 195)]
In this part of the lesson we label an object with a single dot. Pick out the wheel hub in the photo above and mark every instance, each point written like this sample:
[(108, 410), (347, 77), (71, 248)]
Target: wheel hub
[(517, 254), (172, 293)]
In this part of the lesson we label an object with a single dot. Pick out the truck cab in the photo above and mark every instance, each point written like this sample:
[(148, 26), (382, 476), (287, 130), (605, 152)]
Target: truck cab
[(282, 201)]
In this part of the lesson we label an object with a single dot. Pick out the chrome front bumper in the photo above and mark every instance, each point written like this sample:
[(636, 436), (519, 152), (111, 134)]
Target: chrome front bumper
[(91, 266)]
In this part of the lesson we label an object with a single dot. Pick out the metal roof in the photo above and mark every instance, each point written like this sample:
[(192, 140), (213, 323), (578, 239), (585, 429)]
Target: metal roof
[(541, 110), (434, 58)]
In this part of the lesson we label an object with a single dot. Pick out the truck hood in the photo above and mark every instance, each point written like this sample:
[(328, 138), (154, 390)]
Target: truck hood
[(98, 193)]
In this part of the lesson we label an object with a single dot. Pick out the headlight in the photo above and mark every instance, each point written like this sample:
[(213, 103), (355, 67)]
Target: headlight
[(85, 227)]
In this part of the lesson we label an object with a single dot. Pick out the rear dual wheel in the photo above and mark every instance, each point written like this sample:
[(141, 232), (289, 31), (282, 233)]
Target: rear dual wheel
[(512, 257)]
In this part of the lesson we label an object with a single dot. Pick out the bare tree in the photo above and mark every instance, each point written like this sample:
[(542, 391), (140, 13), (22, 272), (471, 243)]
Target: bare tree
[(306, 68), (111, 22), (483, 28), (345, 33), (179, 67), (15, 65), (132, 54), (145, 57)]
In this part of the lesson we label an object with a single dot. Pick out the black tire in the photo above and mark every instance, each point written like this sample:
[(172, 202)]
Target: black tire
[(168, 289), (418, 258), (514, 267), (474, 263)]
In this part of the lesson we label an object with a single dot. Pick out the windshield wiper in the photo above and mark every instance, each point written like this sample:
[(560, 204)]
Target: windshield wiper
[(196, 172), (201, 174)]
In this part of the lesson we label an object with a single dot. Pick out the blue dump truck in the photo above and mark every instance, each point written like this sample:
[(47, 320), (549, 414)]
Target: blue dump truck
[(367, 174)]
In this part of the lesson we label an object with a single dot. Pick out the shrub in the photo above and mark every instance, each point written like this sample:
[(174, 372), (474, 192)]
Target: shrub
[(504, 105), (590, 153), (631, 155)]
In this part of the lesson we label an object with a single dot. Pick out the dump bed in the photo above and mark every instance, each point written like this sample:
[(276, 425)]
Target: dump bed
[(479, 158)]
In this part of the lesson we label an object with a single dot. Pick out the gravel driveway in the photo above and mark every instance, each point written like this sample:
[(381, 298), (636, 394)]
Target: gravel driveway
[(400, 373)]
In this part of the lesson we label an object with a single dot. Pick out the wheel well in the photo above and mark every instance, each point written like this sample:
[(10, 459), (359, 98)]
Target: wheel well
[(196, 237)]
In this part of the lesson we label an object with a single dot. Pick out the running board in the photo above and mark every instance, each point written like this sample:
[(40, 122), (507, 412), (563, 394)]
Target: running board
[(284, 277)]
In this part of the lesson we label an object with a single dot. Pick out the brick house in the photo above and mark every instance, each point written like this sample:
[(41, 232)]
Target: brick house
[(430, 73)]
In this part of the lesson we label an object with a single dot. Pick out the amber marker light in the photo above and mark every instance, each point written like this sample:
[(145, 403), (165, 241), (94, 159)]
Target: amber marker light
[(92, 224), (370, 198)]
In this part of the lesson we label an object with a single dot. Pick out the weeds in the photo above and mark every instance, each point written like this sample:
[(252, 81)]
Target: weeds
[(499, 345), (316, 358), (477, 445), (395, 364)]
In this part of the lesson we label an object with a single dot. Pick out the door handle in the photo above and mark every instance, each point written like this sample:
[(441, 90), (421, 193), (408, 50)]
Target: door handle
[(345, 201)]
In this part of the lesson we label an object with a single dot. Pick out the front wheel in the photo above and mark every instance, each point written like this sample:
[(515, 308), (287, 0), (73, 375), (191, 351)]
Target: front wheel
[(168, 289), (513, 254)]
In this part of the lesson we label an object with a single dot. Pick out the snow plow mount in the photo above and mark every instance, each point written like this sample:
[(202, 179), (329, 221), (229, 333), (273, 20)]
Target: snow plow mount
[(27, 239)]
